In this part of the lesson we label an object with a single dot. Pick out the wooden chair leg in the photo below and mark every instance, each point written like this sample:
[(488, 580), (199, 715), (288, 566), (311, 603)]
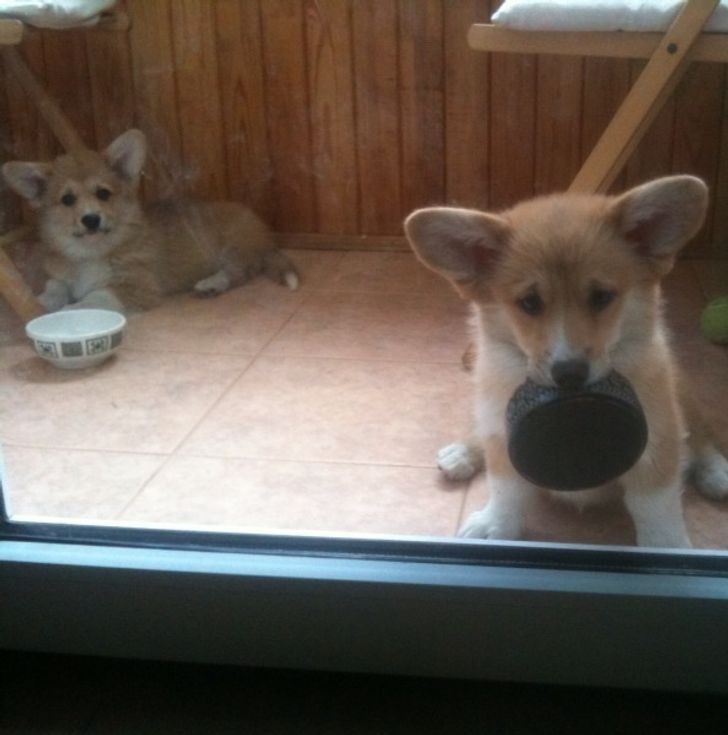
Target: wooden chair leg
[(644, 101), (59, 124), (12, 285)]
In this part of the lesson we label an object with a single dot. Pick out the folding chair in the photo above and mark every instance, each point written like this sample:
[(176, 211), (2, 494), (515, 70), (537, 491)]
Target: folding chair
[(12, 285), (669, 55)]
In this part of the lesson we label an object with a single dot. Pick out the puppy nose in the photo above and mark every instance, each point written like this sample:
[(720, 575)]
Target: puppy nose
[(570, 374), (91, 222)]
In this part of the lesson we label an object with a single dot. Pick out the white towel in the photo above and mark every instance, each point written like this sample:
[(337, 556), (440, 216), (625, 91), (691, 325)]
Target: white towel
[(599, 15), (55, 13)]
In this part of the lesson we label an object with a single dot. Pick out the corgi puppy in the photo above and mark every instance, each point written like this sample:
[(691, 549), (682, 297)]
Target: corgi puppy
[(103, 250), (567, 288)]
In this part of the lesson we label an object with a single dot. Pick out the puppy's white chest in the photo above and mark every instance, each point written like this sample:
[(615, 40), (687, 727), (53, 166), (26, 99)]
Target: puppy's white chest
[(89, 276)]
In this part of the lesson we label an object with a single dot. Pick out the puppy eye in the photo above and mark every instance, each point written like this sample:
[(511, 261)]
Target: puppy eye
[(600, 298), (68, 200), (103, 194), (531, 303)]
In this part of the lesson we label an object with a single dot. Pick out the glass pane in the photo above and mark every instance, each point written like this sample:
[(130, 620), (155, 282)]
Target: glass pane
[(302, 375)]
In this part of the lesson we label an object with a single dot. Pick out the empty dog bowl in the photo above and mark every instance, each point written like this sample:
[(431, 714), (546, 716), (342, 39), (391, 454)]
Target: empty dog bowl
[(573, 440), (77, 338)]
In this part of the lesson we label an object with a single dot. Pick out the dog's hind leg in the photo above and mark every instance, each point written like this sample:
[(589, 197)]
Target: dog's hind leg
[(708, 469)]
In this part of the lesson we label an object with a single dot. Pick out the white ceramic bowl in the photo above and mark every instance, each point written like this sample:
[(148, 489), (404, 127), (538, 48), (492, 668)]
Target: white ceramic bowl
[(77, 338)]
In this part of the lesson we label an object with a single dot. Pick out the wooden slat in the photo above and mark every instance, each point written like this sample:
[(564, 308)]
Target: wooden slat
[(422, 103), (331, 110), (67, 80), (612, 44), (289, 130), (606, 83), (112, 84), (155, 95), (198, 97), (324, 241), (242, 96), (10, 212), (377, 109), (720, 193), (513, 129), (653, 155), (11, 32), (467, 108), (645, 99), (696, 138), (558, 123)]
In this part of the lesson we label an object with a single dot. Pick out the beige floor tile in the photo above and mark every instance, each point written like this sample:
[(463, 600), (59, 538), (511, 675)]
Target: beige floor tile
[(136, 402), (73, 484), (332, 498), (239, 322), (399, 326), (337, 410)]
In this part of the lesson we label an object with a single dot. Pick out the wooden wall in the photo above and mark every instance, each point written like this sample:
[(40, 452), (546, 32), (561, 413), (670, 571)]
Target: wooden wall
[(340, 116)]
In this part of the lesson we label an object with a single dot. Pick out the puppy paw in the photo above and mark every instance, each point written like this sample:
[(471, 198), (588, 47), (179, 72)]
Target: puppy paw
[(214, 285), (709, 473), (458, 461), (487, 524)]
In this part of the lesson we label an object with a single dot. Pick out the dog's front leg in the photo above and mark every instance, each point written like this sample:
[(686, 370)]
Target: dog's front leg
[(509, 497), (55, 296), (653, 499), (101, 298)]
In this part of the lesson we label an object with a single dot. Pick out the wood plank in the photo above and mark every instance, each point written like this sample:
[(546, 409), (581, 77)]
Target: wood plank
[(377, 116), (68, 82), (112, 84), (607, 44), (606, 83), (653, 155), (198, 97), (11, 32), (513, 129), (31, 138), (242, 96), (558, 123), (467, 108), (421, 84), (720, 194), (325, 241), (696, 137), (289, 128), (645, 99), (155, 95), (10, 212), (331, 110)]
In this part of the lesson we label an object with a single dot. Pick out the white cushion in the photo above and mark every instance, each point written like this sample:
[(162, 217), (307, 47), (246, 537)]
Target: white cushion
[(55, 13), (599, 15)]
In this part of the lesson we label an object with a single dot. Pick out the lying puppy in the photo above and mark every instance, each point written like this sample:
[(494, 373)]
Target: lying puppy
[(104, 251), (568, 287)]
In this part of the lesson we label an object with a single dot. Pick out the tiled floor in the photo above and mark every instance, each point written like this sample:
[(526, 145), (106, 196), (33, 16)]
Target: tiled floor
[(317, 410)]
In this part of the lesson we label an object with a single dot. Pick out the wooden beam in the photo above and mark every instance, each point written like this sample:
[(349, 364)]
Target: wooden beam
[(11, 32), (643, 102), (609, 44)]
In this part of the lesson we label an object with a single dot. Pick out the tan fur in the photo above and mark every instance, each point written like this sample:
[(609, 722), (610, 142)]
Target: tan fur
[(136, 256), (568, 251)]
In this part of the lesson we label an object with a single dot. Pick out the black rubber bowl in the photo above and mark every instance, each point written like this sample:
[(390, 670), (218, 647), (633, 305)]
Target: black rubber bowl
[(573, 440)]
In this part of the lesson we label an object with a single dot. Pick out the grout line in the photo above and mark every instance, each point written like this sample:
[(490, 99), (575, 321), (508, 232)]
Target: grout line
[(205, 414)]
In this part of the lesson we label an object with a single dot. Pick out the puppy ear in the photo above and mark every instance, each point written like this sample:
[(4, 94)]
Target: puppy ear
[(126, 155), (463, 245), (660, 217), (30, 180)]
